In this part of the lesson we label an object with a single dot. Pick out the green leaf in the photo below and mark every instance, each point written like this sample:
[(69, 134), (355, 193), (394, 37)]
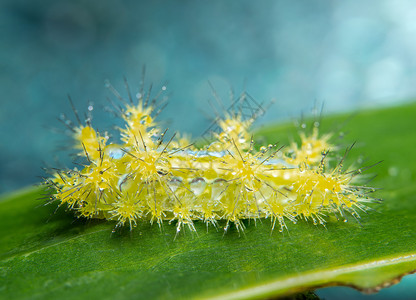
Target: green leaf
[(52, 255)]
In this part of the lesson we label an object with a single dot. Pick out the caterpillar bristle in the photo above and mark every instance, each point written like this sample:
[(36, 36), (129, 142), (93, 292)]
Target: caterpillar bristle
[(145, 177)]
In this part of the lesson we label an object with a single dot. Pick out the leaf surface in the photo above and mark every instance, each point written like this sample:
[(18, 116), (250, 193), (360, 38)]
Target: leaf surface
[(49, 255)]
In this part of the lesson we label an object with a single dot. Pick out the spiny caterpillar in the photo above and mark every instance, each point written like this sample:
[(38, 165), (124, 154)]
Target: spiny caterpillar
[(143, 177)]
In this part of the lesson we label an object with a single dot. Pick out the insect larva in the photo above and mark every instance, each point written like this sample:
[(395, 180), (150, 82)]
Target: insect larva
[(145, 177)]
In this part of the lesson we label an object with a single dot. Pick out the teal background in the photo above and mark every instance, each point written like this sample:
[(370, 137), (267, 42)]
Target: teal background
[(346, 54), (349, 55)]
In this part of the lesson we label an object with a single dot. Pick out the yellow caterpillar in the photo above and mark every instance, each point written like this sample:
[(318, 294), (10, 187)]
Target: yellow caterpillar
[(147, 178)]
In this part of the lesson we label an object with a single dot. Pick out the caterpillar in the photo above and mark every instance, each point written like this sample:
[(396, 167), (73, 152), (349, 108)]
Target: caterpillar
[(145, 177)]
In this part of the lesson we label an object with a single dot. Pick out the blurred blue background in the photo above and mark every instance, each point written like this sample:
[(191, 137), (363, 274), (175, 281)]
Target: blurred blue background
[(348, 54)]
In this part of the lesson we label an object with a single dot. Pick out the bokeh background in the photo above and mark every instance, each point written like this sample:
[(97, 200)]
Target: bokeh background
[(346, 54), (349, 55)]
